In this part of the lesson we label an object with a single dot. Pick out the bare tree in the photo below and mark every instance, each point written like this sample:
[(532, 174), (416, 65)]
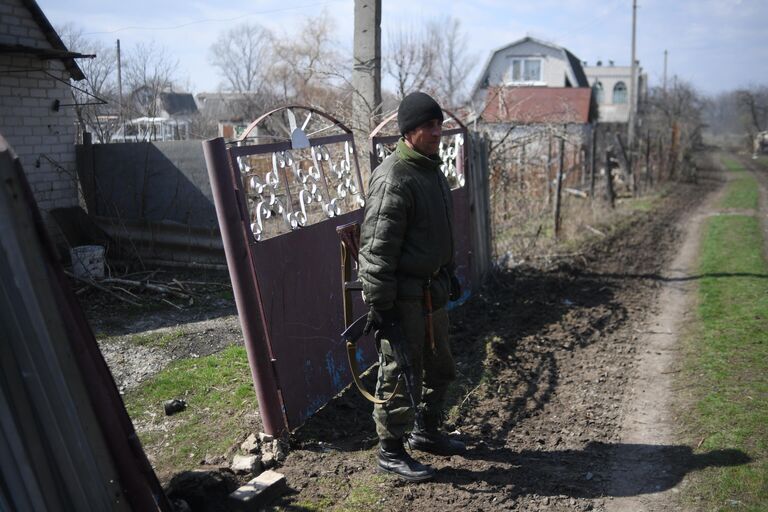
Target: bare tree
[(753, 104), (310, 65), (454, 63), (148, 71), (411, 59), (244, 55), (675, 115), (100, 84)]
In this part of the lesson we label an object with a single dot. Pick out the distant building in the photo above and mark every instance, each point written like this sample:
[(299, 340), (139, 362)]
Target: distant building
[(169, 116), (529, 62), (612, 90), (232, 112), (532, 82)]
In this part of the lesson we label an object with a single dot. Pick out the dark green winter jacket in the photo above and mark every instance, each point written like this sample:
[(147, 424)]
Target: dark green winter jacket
[(406, 236)]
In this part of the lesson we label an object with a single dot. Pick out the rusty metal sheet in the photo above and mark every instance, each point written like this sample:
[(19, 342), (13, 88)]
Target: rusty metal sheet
[(299, 276)]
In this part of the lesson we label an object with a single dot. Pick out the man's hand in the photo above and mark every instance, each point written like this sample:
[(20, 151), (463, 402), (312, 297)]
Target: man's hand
[(386, 324), (455, 288), (379, 319)]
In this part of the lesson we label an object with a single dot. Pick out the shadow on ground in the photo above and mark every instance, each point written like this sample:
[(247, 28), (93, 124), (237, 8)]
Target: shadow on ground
[(492, 347), (586, 473)]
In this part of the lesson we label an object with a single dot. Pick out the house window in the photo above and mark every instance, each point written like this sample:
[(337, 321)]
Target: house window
[(597, 90), (524, 70), (620, 93)]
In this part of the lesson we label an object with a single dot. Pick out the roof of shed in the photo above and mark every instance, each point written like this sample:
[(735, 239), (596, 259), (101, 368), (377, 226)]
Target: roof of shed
[(537, 105), (178, 103)]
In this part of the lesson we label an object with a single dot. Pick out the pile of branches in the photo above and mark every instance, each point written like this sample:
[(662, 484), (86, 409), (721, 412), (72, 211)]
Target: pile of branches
[(145, 287)]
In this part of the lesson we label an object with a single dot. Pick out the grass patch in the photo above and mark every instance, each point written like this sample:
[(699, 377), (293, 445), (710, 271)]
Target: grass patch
[(364, 496), (219, 393), (156, 339), (728, 362), (641, 204), (742, 191)]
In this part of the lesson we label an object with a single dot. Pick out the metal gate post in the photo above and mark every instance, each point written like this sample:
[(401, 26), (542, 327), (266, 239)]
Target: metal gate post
[(235, 235)]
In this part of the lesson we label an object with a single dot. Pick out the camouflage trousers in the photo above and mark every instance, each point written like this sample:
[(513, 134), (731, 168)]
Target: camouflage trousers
[(433, 372)]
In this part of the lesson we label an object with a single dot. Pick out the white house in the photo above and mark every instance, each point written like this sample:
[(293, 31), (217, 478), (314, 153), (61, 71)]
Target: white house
[(612, 90), (36, 113), (529, 62)]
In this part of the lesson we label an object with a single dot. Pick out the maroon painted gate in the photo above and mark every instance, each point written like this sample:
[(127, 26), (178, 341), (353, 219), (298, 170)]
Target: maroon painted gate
[(280, 192)]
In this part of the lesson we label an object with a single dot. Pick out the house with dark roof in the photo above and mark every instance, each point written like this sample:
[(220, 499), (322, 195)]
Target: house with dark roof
[(530, 62), (532, 94), (37, 115), (232, 112), (168, 116)]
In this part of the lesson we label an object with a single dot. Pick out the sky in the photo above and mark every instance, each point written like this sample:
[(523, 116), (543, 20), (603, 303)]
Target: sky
[(716, 45)]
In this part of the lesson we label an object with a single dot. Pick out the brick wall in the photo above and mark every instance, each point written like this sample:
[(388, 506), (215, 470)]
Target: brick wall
[(42, 138)]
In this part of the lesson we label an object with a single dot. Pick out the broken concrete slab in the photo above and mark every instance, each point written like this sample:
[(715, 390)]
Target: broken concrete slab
[(246, 464), (250, 445), (259, 492)]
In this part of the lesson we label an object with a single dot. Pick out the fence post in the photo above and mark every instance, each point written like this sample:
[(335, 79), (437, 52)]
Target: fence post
[(592, 164), (609, 179), (648, 173), (480, 206), (521, 168), (559, 186), (549, 171), (234, 234), (660, 158)]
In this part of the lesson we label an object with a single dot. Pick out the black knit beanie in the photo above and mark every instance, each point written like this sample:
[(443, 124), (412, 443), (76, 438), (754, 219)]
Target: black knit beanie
[(415, 109)]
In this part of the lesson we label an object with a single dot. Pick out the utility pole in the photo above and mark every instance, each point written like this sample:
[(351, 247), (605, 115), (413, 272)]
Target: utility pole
[(633, 87), (366, 70), (632, 105), (121, 117), (665, 71)]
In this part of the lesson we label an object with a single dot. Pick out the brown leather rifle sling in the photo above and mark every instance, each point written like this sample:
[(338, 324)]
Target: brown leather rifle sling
[(350, 248)]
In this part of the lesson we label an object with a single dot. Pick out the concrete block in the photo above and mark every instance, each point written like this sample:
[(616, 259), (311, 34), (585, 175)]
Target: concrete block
[(259, 492), (18, 30), (250, 445), (29, 41), (10, 20), (246, 464)]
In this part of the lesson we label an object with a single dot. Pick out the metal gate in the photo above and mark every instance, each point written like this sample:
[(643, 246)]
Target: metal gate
[(281, 190)]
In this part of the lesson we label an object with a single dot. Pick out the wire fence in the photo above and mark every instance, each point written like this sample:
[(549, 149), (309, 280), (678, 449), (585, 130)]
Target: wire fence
[(551, 184)]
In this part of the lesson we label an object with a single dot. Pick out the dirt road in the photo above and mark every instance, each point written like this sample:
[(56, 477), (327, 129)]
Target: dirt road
[(569, 407)]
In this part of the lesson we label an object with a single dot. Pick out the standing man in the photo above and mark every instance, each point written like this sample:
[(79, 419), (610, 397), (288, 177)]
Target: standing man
[(406, 267)]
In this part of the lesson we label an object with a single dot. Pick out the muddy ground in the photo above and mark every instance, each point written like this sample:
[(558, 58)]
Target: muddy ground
[(547, 358)]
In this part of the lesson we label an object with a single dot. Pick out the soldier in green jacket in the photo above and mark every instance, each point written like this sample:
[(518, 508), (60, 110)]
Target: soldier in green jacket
[(406, 262)]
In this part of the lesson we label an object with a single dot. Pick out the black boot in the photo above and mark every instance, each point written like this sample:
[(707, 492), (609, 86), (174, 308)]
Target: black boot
[(435, 442), (394, 459)]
